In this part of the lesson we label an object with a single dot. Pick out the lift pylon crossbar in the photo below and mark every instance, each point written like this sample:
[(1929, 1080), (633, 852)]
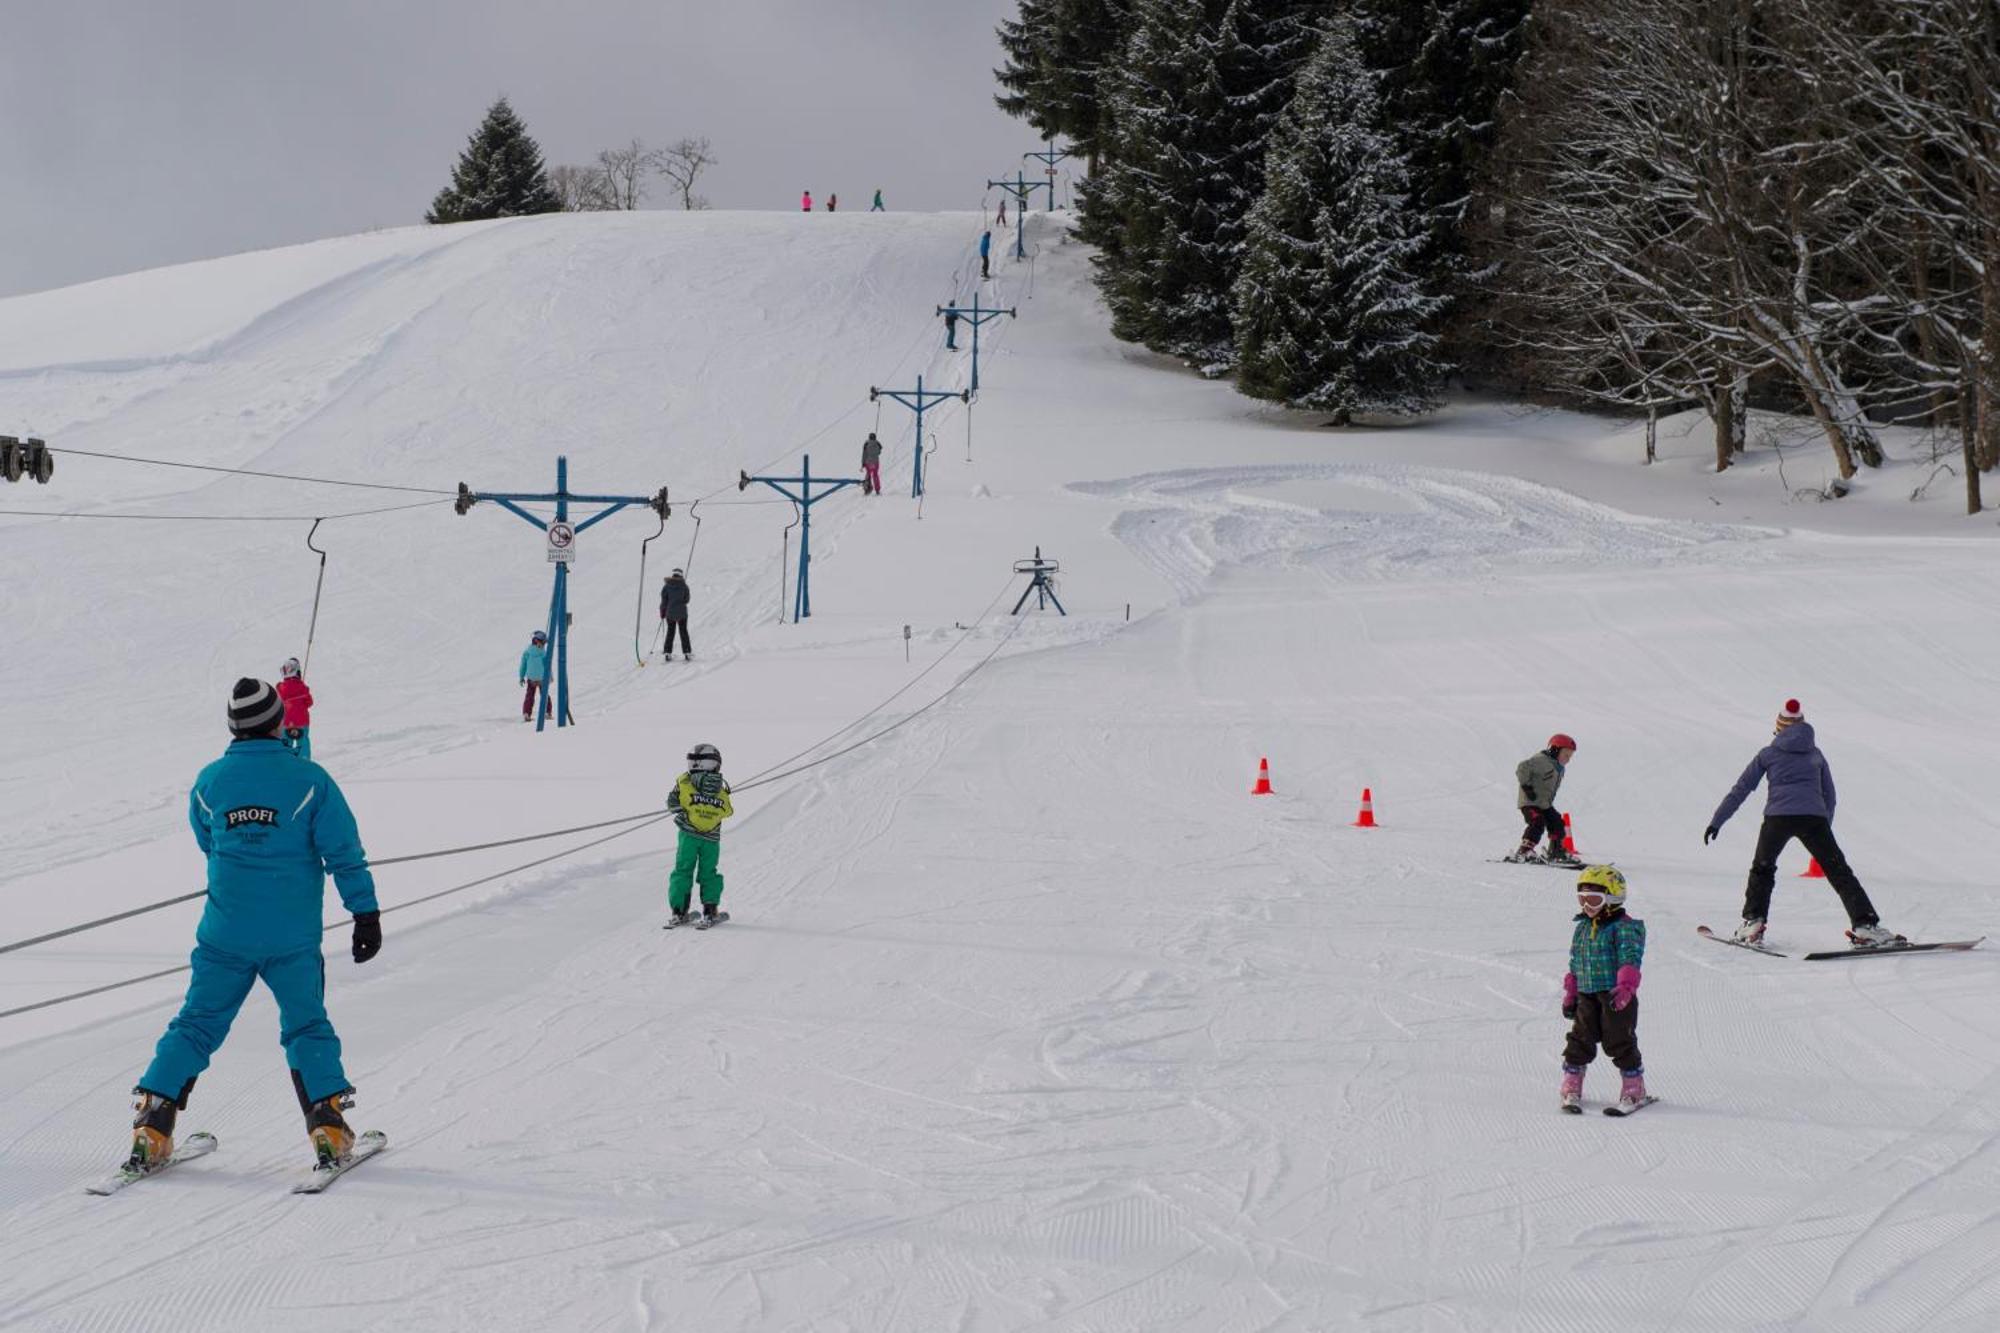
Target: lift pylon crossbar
[(805, 498), (918, 400), (1021, 187), (978, 316), (556, 683)]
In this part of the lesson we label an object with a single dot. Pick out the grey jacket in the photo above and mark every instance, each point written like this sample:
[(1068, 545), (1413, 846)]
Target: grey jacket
[(1801, 782), (1540, 778), (871, 451), (674, 596)]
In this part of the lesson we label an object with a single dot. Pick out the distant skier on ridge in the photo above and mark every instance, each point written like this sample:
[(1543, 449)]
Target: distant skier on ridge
[(1798, 805), (272, 826)]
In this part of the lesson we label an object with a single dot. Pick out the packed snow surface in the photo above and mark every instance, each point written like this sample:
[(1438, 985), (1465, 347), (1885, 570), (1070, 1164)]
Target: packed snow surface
[(1030, 1016)]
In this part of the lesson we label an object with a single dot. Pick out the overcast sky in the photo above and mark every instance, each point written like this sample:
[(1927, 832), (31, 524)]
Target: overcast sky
[(135, 133)]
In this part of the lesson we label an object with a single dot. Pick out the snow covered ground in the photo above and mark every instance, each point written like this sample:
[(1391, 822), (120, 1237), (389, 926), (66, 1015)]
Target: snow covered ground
[(1030, 1017)]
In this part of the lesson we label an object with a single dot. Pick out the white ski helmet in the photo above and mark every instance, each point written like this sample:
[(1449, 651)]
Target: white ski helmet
[(290, 668), (704, 759)]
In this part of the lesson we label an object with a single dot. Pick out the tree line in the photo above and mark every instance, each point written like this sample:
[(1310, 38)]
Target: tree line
[(501, 174), (1653, 204)]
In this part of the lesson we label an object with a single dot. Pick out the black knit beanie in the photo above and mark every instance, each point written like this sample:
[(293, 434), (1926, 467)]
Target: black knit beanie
[(254, 709)]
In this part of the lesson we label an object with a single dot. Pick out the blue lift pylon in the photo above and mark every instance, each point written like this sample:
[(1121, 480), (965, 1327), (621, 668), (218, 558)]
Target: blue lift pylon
[(561, 543), (1041, 585), (1021, 187), (978, 316), (805, 500), (1050, 156), (918, 400)]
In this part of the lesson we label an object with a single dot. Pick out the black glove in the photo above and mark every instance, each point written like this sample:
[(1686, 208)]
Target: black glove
[(367, 935), (1708, 834), (1569, 1009), (1527, 799)]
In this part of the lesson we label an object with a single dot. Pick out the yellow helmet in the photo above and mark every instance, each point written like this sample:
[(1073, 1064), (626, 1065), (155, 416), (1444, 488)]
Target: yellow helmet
[(1607, 880)]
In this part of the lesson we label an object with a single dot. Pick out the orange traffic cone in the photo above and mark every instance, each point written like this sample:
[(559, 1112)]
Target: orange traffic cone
[(1813, 871), (1263, 787), (1366, 819), (1569, 843)]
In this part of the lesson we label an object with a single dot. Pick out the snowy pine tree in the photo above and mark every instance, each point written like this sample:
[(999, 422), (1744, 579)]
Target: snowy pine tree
[(1329, 313), (499, 175), (1057, 55), (1444, 65), (1195, 91)]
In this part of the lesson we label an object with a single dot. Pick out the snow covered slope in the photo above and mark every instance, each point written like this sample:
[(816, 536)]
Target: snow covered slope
[(1030, 1017)]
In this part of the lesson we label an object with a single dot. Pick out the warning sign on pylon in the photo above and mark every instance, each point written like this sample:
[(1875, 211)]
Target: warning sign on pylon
[(562, 544)]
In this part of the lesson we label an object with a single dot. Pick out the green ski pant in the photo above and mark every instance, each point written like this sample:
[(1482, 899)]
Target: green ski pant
[(695, 856)]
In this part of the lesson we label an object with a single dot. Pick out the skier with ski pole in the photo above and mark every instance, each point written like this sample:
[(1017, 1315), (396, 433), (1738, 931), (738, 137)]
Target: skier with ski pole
[(1798, 804), (1601, 991), (272, 826)]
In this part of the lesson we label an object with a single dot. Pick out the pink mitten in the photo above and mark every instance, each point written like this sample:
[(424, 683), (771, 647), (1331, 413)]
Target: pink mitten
[(1627, 987)]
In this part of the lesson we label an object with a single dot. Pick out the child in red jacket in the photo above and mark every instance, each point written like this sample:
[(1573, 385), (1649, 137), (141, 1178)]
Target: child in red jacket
[(297, 732)]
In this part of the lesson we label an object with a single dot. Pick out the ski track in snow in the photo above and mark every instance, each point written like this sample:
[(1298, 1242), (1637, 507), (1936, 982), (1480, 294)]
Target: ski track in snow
[(1028, 1017)]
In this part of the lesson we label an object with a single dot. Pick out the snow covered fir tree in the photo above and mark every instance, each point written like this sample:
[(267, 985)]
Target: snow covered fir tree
[(1329, 314), (499, 175)]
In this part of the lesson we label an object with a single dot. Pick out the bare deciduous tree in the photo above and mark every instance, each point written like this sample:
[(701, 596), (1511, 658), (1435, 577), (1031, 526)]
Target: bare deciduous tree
[(626, 170), (682, 164), (581, 189)]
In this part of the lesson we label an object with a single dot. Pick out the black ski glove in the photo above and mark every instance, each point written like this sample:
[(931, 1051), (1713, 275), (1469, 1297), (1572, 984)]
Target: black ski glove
[(367, 935), (1708, 834)]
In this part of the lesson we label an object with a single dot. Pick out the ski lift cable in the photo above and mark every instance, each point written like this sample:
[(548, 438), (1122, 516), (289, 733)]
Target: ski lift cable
[(252, 472)]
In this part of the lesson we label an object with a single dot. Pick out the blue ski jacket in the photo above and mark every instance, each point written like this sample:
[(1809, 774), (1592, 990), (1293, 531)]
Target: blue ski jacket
[(1800, 781), (985, 244), (273, 826), (534, 663)]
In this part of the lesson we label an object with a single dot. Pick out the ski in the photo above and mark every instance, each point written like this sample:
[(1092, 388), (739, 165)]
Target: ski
[(1572, 1108), (704, 922), (195, 1145), (1625, 1108), (1536, 861), (1953, 946), (365, 1147), (672, 924), (1708, 934)]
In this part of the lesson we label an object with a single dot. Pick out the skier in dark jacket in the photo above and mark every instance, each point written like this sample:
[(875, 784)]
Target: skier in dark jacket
[(674, 597), (871, 465), (1799, 805), (985, 254)]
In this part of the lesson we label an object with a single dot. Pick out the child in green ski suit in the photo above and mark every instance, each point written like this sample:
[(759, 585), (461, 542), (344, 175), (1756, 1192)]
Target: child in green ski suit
[(700, 803)]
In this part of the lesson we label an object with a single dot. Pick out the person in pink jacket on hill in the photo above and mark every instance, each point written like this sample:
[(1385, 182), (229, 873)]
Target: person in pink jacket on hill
[(297, 732), (806, 202)]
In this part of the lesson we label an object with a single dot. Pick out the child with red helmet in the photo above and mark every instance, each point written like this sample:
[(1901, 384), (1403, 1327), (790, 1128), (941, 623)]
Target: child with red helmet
[(1539, 777)]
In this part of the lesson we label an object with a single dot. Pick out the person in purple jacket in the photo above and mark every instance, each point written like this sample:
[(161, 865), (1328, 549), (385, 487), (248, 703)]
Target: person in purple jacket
[(1798, 805)]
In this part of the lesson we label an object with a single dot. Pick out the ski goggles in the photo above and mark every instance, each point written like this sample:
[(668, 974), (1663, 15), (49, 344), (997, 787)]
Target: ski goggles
[(1591, 898)]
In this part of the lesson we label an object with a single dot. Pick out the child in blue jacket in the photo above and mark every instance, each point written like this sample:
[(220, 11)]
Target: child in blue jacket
[(534, 672), (1601, 989)]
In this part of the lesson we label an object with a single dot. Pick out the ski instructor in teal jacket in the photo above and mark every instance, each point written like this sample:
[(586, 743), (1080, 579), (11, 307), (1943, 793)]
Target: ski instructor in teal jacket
[(273, 826)]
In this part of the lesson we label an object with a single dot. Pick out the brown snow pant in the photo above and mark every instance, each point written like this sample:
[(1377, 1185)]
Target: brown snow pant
[(1598, 1024)]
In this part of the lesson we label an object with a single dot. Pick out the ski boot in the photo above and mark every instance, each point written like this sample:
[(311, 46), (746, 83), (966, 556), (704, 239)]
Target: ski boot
[(679, 918), (1873, 935), (332, 1138), (1572, 1089), (1751, 932), (709, 912), (1556, 856), (152, 1130), (1632, 1092), (1522, 855)]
